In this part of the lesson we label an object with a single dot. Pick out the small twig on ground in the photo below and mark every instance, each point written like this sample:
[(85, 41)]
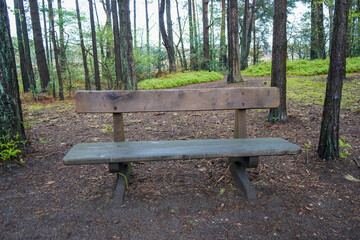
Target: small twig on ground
[(50, 154), (223, 175), (357, 162)]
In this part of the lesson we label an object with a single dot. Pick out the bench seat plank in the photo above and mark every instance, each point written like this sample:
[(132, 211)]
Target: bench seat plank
[(112, 152)]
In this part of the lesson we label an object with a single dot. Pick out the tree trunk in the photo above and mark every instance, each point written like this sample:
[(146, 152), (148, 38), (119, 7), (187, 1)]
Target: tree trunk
[(182, 54), (206, 47), (94, 46), (278, 70), (118, 65), (233, 38), (317, 43), (135, 43), (45, 32), (329, 133), (243, 59), (128, 65), (62, 50), (56, 51), (83, 50), (147, 28), (222, 35), (193, 59), (24, 74), (29, 67), (39, 47), (11, 120), (195, 29), (168, 44)]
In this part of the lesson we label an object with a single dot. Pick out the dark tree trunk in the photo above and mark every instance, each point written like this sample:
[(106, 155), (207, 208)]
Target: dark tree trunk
[(83, 50), (10, 105), (45, 32), (222, 35), (29, 67), (147, 29), (170, 32), (233, 46), (24, 74), (243, 59), (56, 51), (39, 47), (195, 23), (168, 43), (94, 46), (278, 70), (193, 60), (317, 43), (206, 45), (128, 65), (329, 133), (135, 43), (118, 65), (182, 54), (62, 50)]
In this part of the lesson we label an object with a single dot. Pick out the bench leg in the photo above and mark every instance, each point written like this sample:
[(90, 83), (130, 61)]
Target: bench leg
[(123, 171), (239, 174)]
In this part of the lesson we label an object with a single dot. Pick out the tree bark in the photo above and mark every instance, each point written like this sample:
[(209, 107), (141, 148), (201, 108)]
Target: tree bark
[(10, 105), (317, 43), (24, 74), (45, 32), (29, 67), (147, 28), (222, 57), (182, 54), (278, 70), (94, 46), (206, 45), (233, 38), (167, 42), (83, 50), (243, 59), (193, 60), (39, 47), (329, 134), (128, 65), (56, 51), (62, 50), (118, 65), (135, 43)]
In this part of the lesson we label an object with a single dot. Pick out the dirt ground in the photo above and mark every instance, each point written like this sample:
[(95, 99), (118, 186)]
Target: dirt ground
[(299, 197)]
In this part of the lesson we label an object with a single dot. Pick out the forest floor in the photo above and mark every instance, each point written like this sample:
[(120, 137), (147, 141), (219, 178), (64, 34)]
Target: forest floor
[(299, 197)]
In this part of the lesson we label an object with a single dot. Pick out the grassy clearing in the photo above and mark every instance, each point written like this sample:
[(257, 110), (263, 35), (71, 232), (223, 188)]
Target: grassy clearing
[(301, 68), (179, 79), (311, 90)]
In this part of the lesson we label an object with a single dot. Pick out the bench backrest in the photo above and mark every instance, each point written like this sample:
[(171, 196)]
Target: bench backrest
[(173, 100), (169, 100)]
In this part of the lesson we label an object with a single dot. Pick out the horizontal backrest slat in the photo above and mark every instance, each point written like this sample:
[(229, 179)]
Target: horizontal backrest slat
[(169, 100)]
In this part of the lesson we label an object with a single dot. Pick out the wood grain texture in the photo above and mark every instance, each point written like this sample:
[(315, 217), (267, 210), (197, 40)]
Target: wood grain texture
[(92, 153), (176, 100)]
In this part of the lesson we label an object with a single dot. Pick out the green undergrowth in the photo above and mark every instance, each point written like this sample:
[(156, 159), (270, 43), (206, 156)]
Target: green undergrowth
[(301, 67), (179, 79), (311, 90)]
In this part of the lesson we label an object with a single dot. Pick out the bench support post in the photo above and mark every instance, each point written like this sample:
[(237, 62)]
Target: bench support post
[(238, 165), (123, 170), (242, 180)]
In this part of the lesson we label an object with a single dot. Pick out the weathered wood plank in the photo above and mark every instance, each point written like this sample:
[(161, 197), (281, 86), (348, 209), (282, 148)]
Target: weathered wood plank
[(176, 100), (91, 153)]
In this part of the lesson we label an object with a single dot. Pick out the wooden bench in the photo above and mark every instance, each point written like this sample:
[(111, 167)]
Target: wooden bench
[(242, 152)]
